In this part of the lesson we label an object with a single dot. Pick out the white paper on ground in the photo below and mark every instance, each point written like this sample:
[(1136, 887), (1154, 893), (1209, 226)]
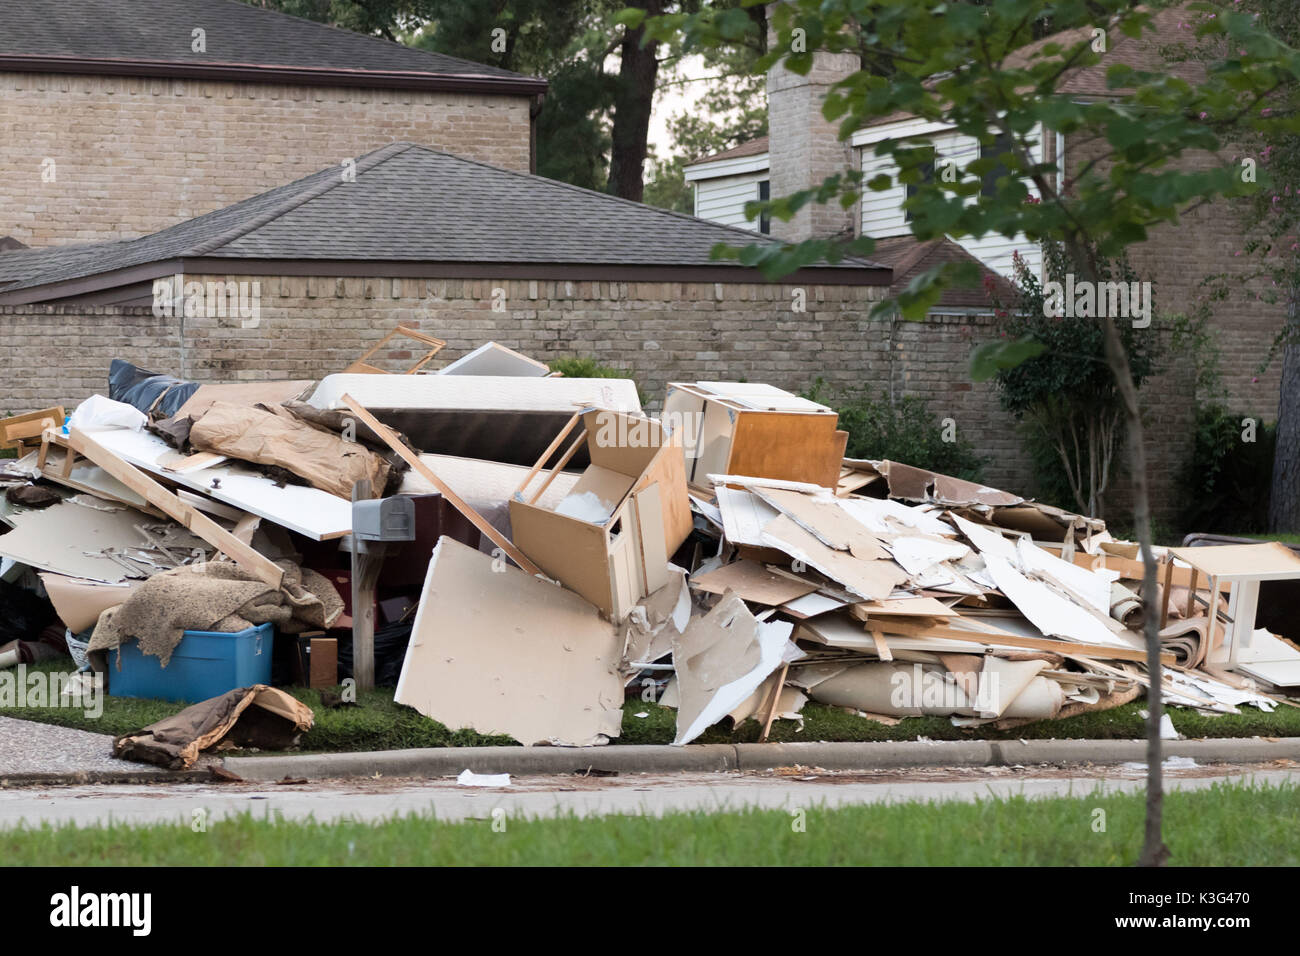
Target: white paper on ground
[(468, 778)]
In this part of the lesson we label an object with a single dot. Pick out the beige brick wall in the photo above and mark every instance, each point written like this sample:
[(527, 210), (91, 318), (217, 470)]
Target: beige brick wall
[(134, 155), (662, 332)]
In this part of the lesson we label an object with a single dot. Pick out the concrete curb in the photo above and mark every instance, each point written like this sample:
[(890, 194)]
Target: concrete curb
[(885, 755)]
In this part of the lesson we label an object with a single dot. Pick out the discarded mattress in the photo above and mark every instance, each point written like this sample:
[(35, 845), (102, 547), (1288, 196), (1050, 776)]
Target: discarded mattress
[(498, 418)]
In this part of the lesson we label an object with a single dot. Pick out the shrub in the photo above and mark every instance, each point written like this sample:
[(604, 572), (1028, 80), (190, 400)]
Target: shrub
[(905, 431), (1227, 479)]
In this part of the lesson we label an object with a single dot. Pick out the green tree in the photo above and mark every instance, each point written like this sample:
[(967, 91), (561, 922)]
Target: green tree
[(1066, 395), (966, 64)]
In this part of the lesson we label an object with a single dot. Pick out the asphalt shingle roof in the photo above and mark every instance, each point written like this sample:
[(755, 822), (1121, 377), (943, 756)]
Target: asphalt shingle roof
[(410, 203), (160, 31)]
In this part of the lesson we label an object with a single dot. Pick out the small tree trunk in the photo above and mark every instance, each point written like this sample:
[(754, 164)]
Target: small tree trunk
[(638, 67), (1154, 851), (1284, 497)]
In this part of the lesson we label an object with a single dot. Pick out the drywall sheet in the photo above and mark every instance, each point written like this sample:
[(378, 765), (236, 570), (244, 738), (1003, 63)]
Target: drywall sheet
[(987, 541), (309, 511), (821, 515), (918, 554), (502, 652), (67, 538), (1052, 614), (753, 582), (1091, 587), (1267, 658), (493, 359), (886, 515), (721, 659), (743, 516), (498, 418), (811, 605), (869, 579), (89, 477)]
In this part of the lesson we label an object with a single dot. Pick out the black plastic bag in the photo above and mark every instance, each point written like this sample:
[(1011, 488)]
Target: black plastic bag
[(152, 392)]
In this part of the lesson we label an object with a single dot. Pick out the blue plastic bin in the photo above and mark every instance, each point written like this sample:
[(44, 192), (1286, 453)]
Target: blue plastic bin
[(204, 664)]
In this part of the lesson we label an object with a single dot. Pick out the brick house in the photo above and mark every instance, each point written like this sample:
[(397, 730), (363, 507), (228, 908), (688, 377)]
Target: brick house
[(123, 117), (802, 149)]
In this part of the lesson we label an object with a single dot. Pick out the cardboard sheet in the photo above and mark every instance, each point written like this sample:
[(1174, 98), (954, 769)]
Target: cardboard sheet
[(321, 458), (79, 602), (501, 652), (245, 393)]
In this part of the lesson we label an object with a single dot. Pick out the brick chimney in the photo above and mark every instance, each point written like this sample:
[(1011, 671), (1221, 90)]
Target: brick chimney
[(803, 148)]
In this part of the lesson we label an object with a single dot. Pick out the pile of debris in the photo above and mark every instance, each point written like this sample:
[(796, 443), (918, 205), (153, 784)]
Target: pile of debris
[(518, 552)]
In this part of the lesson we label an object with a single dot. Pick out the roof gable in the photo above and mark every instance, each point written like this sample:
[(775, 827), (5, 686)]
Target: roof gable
[(410, 203), (155, 37)]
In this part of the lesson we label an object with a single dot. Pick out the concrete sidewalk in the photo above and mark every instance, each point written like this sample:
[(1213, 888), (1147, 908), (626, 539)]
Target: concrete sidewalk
[(522, 761), (32, 753)]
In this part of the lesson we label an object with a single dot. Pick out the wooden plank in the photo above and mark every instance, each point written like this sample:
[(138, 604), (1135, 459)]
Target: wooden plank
[(991, 635), (776, 699), (550, 450), (179, 511), (15, 430), (412, 459)]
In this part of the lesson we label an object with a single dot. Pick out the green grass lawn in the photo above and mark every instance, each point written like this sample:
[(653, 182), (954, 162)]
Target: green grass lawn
[(377, 723), (1223, 826)]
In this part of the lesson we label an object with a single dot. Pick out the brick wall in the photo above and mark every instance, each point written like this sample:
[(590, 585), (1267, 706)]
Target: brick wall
[(134, 155), (662, 332)]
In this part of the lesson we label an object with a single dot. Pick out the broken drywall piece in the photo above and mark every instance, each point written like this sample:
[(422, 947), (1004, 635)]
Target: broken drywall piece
[(743, 516), (651, 625), (720, 660), (884, 515), (77, 540), (752, 582), (820, 515), (502, 652), (917, 554), (1052, 614), (871, 580), (1001, 683), (1089, 587), (811, 605), (987, 540)]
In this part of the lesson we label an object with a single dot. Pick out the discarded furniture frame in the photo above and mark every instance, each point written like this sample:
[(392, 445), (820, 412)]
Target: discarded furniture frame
[(739, 428), (435, 346), (1242, 567), (26, 429), (637, 472)]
